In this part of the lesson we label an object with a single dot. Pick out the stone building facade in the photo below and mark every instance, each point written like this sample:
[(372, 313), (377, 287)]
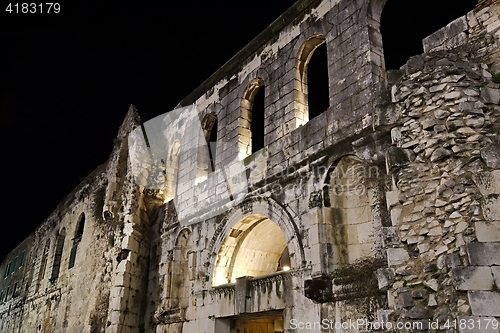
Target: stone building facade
[(380, 208)]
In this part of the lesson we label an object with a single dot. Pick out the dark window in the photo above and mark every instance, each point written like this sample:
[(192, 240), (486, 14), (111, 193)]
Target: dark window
[(207, 148), (43, 264), (212, 144), (7, 270), (317, 81), (80, 227), (56, 266), (14, 265), (72, 256), (21, 258), (257, 122)]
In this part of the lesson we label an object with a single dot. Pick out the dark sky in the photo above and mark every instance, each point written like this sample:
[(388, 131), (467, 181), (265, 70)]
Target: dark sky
[(67, 80)]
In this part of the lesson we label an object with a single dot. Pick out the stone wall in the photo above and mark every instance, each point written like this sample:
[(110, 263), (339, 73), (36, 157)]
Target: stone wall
[(443, 116)]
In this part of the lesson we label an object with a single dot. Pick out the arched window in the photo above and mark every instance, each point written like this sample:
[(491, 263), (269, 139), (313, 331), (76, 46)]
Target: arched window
[(207, 147), (80, 227), (312, 91), (43, 265), (212, 145), (251, 121), (56, 266), (172, 170)]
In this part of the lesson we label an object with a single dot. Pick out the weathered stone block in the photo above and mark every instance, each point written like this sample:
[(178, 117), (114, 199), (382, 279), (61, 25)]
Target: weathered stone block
[(241, 291), (418, 312), (490, 95), (392, 198), (419, 293), (487, 182), (434, 40), (385, 276), (488, 231), (396, 158), (415, 64), (484, 303), (390, 236), (405, 300), (472, 278), (396, 216), (496, 275), (397, 256), (439, 154), (491, 154), (484, 254), (491, 208), (386, 116)]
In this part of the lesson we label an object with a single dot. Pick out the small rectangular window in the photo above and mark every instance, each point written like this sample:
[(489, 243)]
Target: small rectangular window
[(14, 265), (72, 256), (21, 258), (7, 270)]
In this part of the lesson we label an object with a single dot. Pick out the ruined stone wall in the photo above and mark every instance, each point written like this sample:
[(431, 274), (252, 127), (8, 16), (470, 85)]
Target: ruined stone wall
[(442, 253), (66, 278)]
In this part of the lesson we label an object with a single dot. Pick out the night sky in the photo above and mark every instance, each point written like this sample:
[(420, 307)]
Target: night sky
[(68, 79)]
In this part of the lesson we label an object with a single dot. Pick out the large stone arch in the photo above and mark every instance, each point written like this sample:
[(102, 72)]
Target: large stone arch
[(263, 208), (351, 196)]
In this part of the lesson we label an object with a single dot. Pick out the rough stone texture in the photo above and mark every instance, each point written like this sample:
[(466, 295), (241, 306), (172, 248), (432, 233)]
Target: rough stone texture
[(473, 278), (322, 231), (488, 231), (397, 256), (491, 155), (484, 303), (483, 254)]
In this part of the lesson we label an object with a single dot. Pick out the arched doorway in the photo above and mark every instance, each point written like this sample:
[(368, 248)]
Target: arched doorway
[(254, 246)]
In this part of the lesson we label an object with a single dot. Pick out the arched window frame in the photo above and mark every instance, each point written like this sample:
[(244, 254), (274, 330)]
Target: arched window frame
[(56, 264), (43, 265), (79, 230), (205, 161), (172, 170), (246, 118), (304, 55)]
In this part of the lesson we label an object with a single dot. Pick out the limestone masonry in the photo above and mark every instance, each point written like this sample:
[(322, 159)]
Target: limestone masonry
[(380, 206)]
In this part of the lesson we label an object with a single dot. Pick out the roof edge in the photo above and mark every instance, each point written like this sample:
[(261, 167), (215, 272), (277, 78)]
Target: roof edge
[(229, 68)]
